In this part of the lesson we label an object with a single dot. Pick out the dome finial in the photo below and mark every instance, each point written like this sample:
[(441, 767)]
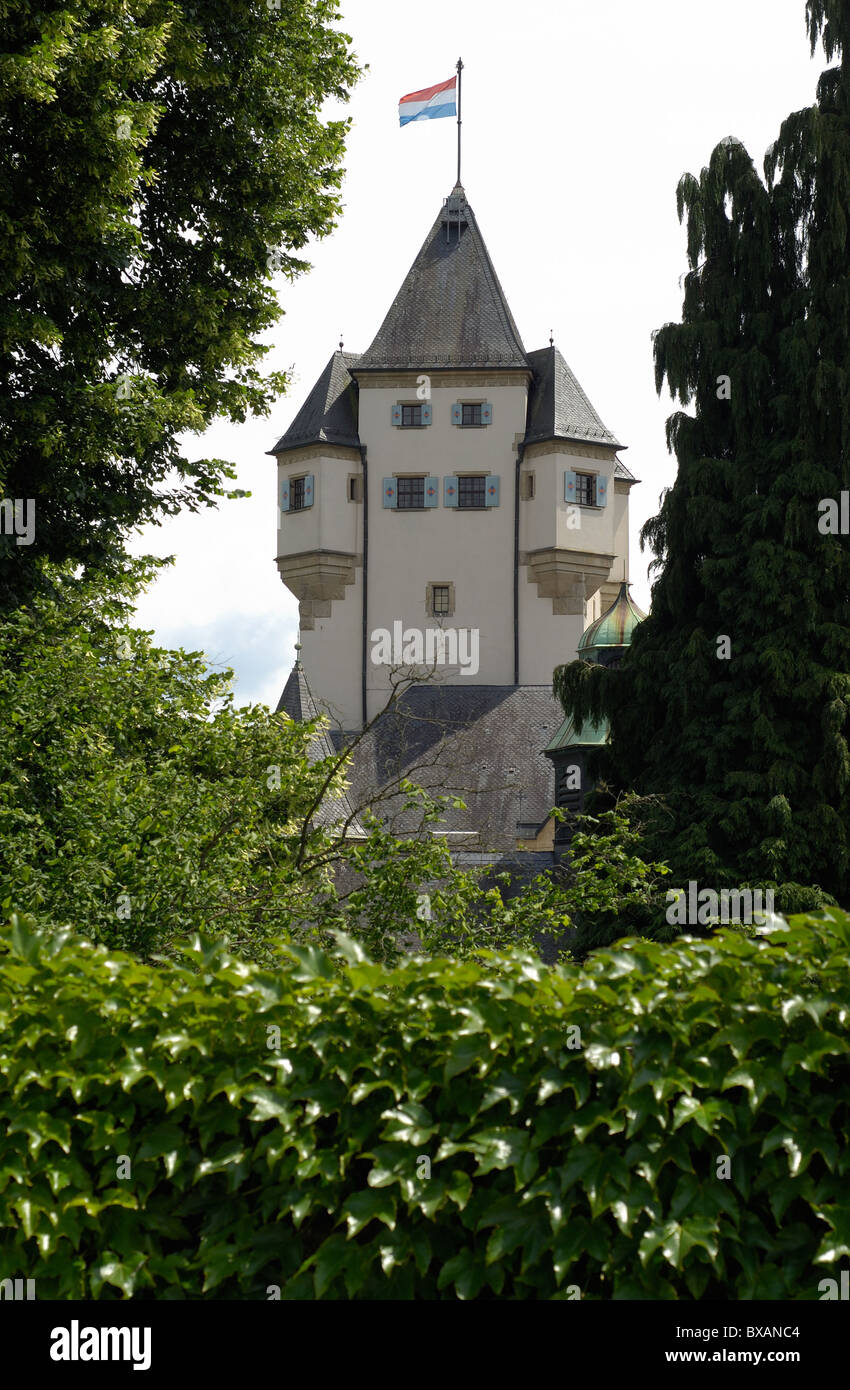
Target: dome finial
[(604, 642)]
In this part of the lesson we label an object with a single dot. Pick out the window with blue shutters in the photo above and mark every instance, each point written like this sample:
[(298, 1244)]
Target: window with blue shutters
[(411, 494), (472, 414), (471, 492), (585, 489), (296, 494), (412, 415)]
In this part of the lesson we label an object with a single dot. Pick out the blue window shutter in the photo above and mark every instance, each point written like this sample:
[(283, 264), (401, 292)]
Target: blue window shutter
[(601, 492), (309, 489), (284, 496), (390, 492), (450, 492), (426, 412), (457, 414), (486, 413), (570, 490), (491, 491), (432, 492), (396, 414)]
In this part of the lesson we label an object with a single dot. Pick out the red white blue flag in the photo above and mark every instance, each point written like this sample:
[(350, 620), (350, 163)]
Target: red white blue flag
[(429, 104)]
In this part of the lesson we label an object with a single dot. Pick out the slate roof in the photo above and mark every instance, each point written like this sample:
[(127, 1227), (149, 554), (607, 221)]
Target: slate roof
[(559, 408), (329, 414), (297, 699), (481, 743), (451, 310)]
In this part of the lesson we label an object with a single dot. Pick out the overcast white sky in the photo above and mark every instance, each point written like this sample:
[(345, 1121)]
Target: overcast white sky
[(578, 121)]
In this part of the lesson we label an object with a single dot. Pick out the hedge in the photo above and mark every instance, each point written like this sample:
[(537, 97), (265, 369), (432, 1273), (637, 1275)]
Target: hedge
[(162, 1140)]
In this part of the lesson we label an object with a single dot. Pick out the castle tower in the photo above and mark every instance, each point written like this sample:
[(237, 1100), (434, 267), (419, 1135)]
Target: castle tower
[(447, 480)]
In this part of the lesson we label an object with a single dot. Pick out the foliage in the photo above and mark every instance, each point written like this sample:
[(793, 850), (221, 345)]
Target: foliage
[(574, 1120), (750, 754), (156, 154), (137, 800)]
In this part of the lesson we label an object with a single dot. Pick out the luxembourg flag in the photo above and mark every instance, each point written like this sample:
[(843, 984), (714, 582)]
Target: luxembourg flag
[(429, 104)]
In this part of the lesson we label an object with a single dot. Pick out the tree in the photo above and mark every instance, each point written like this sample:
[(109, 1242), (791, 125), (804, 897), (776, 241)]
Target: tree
[(139, 805), (732, 703), (162, 159)]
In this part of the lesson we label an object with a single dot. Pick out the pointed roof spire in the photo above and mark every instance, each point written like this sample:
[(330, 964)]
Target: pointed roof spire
[(451, 310), (559, 408), (329, 414)]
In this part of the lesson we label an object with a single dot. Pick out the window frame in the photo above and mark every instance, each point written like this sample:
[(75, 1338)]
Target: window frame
[(430, 590), (481, 480), (585, 478), (402, 480)]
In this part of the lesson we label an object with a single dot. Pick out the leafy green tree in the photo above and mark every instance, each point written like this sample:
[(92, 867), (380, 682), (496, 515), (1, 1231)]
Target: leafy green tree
[(139, 805), (746, 739), (161, 160)]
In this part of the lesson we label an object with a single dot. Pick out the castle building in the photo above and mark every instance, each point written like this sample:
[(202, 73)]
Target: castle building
[(453, 514)]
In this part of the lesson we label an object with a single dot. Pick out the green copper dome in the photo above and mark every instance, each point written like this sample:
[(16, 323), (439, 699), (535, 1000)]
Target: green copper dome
[(613, 630)]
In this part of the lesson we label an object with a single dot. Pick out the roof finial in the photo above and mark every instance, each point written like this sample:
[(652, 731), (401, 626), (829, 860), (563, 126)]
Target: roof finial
[(551, 337), (298, 655), (340, 342)]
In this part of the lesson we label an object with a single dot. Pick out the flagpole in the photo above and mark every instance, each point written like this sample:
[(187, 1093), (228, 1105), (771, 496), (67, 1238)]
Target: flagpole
[(459, 84)]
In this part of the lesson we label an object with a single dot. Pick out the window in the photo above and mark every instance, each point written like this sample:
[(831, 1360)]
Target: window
[(355, 488), (411, 491), (440, 600), (411, 416), (527, 487), (472, 492), (472, 414), (586, 489), (296, 495)]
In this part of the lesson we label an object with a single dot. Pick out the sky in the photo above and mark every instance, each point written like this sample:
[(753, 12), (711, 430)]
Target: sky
[(578, 121)]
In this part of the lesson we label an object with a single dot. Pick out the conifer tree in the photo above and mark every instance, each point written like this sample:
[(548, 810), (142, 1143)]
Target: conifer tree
[(732, 703)]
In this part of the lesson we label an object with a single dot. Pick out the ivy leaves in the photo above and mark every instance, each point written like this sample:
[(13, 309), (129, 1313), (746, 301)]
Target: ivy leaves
[(426, 1130)]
